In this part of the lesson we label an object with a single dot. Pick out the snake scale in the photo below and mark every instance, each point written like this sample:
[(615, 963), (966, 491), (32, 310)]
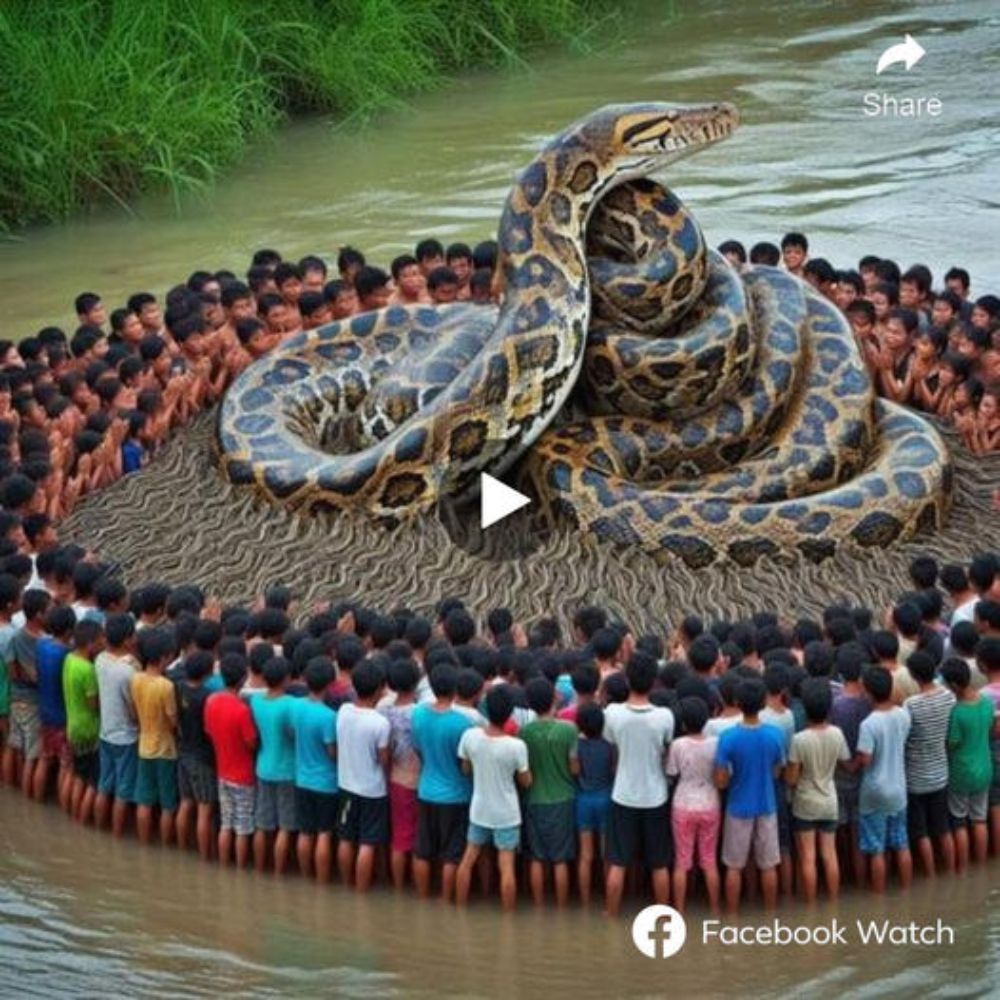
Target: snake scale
[(714, 413)]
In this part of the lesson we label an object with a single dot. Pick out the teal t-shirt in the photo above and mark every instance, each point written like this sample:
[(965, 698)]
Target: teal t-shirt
[(315, 731), (970, 763), (275, 721), (435, 738)]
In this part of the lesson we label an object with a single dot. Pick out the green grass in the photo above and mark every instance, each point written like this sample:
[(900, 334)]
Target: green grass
[(103, 99)]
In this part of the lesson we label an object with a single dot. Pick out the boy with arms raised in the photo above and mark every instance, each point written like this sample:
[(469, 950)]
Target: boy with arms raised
[(83, 720), (362, 764), (882, 798), (552, 757), (229, 725), (750, 755), (316, 772), (639, 824), (498, 764)]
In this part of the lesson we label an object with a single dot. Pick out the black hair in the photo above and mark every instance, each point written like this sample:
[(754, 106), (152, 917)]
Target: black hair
[(616, 688), (469, 683), (398, 263), (816, 698), (733, 247), (233, 669), (917, 275), (119, 628), (544, 632), (794, 240), (888, 271), (443, 679), (640, 672), (233, 292), (540, 693), (265, 257), (154, 645), (694, 715), (258, 277), (605, 643), (426, 249), (198, 664), (884, 644), (86, 631), (821, 268), (921, 667), (988, 654), (60, 621), (85, 302), (459, 626), (319, 674), (907, 618), (908, 317), (370, 279), (286, 271), (982, 571), (862, 306), (751, 696), (367, 678), (484, 255), (877, 682), (348, 257), (590, 720), (35, 603), (313, 263), (765, 253), (403, 675), (956, 673), (703, 653), (958, 274), (276, 671), (499, 705), (589, 619)]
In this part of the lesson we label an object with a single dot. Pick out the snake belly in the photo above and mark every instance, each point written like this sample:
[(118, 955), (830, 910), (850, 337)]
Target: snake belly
[(725, 414)]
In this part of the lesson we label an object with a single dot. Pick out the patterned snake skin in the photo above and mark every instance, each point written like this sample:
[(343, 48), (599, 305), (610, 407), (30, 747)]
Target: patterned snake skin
[(727, 414)]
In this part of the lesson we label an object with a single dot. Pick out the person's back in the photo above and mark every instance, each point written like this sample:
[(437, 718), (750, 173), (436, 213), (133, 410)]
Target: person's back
[(551, 744), (817, 750), (273, 716), (883, 784), (361, 733), (752, 752), (597, 764), (230, 727), (192, 740), (641, 734), (153, 696), (83, 724), (315, 725), (114, 682), (847, 713), (50, 655), (692, 761), (926, 758), (436, 735)]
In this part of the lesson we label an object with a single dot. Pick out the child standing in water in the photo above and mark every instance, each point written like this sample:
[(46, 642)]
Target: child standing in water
[(696, 815), (593, 798)]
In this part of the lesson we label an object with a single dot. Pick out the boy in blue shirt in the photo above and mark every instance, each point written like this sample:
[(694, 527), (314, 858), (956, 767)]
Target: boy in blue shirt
[(749, 757), (50, 655), (273, 714), (444, 791), (316, 772)]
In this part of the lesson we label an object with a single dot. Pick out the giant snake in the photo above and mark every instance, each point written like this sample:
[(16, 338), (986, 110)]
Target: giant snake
[(716, 413)]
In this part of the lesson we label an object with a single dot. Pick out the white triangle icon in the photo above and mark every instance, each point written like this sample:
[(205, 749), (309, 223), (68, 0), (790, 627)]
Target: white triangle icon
[(497, 500)]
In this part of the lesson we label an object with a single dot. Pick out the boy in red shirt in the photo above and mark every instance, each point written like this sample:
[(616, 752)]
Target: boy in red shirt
[(229, 725)]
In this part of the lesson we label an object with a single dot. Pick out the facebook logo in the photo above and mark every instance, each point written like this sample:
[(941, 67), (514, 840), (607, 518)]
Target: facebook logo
[(659, 931)]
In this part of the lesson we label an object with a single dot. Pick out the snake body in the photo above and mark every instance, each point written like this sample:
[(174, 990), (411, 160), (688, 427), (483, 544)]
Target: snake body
[(724, 414)]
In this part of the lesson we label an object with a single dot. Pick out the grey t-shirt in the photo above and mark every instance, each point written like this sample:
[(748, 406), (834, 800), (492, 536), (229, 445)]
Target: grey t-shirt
[(114, 688), (883, 783), (24, 676)]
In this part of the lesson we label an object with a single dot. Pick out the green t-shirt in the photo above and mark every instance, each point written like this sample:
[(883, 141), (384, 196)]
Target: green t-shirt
[(551, 743), (6, 636), (83, 723), (970, 763)]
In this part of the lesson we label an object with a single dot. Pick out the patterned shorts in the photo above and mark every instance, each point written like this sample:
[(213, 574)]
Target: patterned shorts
[(196, 780), (25, 729), (882, 831), (236, 808)]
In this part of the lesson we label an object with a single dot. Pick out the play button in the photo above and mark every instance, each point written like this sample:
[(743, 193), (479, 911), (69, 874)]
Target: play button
[(497, 500)]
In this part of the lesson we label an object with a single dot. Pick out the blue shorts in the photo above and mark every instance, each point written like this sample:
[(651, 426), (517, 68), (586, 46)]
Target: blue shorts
[(504, 838), (592, 809), (119, 768), (881, 831)]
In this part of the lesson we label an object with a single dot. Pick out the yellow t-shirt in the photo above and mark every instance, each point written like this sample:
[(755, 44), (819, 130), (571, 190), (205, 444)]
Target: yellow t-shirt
[(156, 709)]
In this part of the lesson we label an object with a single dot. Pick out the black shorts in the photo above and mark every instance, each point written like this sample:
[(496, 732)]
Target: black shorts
[(441, 831), (362, 820), (550, 831), (87, 766), (317, 811), (640, 835), (197, 780), (927, 814)]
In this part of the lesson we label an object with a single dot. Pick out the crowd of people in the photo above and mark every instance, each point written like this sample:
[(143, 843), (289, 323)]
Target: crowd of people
[(78, 412), (729, 758), (935, 348)]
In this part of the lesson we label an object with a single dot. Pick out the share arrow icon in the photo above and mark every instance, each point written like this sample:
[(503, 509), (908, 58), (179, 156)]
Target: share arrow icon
[(909, 51), (497, 500)]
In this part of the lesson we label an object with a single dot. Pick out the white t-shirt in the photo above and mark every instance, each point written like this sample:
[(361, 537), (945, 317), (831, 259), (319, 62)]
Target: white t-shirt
[(641, 734), (495, 760), (718, 725), (361, 733)]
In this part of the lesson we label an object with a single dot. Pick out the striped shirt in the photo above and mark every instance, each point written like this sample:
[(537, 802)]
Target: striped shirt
[(926, 746)]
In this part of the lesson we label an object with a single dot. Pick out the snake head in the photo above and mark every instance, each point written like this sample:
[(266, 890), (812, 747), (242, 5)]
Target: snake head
[(653, 135)]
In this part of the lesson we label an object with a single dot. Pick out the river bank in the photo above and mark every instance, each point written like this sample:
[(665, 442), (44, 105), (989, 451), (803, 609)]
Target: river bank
[(115, 100)]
